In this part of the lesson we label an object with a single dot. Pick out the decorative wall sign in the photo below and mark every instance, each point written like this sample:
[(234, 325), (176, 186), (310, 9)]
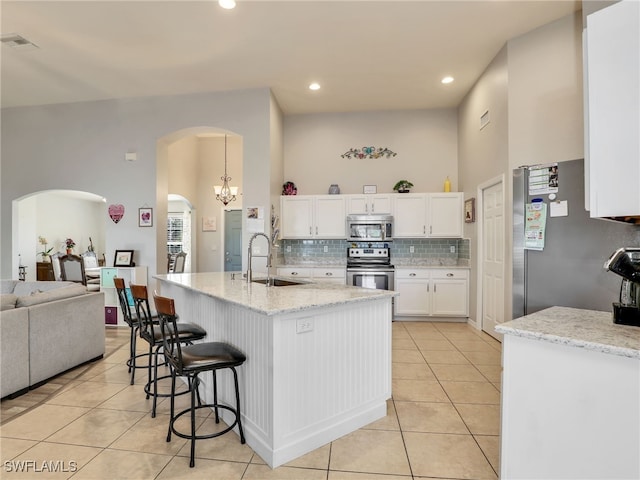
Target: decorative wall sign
[(145, 217), (116, 212), (209, 224), (368, 152)]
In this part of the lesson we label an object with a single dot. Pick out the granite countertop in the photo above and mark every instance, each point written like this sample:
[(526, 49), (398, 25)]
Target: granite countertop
[(272, 300), (579, 328)]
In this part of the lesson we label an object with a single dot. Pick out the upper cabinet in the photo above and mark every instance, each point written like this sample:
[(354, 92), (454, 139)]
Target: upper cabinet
[(368, 204), (612, 81), (428, 215), (313, 216)]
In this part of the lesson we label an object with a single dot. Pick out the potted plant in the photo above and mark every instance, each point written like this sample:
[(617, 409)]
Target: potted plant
[(45, 251), (69, 243), (403, 186)]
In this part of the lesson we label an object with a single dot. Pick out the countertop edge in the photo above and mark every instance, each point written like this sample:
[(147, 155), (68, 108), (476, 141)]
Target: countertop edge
[(532, 326)]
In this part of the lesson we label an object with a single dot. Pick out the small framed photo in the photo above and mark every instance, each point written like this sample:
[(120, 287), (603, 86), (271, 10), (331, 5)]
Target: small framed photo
[(470, 210), (123, 258), (145, 217), (209, 224), (370, 189)]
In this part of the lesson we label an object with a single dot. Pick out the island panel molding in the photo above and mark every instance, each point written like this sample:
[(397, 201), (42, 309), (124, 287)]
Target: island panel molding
[(290, 382)]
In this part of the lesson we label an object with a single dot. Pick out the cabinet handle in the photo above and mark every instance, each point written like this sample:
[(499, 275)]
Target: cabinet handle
[(434, 287), (373, 208), (430, 229), (427, 287), (328, 274), (424, 230), (316, 230), (310, 230), (449, 274), (294, 273), (412, 274)]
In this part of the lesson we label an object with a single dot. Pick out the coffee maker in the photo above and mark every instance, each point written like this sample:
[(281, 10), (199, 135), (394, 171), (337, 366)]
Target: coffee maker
[(626, 263)]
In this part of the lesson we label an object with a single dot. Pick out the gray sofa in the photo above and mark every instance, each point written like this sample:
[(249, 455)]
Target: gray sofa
[(46, 328)]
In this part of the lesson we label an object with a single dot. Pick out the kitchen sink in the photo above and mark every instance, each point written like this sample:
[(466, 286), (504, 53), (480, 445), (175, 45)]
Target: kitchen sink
[(277, 282)]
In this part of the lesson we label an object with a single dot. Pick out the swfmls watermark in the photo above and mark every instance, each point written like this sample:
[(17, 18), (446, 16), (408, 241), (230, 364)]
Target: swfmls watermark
[(40, 466)]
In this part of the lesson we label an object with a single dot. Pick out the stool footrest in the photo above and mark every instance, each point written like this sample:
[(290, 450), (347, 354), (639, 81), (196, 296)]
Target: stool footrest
[(209, 435)]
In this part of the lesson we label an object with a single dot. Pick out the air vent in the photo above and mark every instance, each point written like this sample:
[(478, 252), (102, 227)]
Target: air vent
[(14, 40)]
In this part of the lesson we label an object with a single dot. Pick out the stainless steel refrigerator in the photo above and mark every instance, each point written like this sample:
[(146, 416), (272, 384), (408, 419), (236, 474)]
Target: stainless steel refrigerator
[(568, 271)]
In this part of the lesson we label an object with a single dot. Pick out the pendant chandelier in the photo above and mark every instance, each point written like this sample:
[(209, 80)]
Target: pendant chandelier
[(224, 192)]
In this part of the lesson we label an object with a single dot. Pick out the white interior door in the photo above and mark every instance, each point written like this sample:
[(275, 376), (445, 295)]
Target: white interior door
[(493, 259)]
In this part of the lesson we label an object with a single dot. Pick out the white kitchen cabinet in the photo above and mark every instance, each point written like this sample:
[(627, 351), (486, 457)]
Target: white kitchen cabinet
[(313, 216), (432, 292), (315, 274), (330, 275), (368, 204), (435, 215), (612, 63), (297, 273), (112, 312)]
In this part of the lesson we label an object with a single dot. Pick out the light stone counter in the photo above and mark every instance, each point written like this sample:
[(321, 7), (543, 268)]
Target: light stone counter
[(575, 327), (272, 300), (570, 396)]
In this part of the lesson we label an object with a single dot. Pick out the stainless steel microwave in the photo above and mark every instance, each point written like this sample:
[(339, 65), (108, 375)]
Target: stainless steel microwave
[(370, 228)]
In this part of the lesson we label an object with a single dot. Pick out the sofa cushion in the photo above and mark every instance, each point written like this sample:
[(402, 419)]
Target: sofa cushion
[(7, 301), (37, 297), (7, 286), (26, 288)]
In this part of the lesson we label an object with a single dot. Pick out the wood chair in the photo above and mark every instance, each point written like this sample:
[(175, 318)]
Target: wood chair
[(72, 269), (178, 263)]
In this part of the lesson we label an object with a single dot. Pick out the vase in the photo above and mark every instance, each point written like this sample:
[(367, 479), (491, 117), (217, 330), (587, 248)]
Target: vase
[(334, 189), (69, 251)]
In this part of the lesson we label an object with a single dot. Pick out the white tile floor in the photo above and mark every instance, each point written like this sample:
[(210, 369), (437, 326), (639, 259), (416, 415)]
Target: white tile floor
[(442, 422)]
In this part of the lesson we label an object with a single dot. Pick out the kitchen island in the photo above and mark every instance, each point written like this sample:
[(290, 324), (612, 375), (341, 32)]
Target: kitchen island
[(570, 396), (318, 356)]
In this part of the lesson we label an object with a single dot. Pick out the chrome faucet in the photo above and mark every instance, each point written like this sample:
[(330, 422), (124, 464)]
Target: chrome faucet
[(251, 255)]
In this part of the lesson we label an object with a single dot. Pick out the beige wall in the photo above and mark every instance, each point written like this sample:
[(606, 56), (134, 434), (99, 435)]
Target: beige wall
[(483, 152), (533, 91), (545, 94), (425, 142)]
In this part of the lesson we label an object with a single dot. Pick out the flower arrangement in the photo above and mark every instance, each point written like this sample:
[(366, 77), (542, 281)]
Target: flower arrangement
[(289, 188), (69, 243), (45, 251)]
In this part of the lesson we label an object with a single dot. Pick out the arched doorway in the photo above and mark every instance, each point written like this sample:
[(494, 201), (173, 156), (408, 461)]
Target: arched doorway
[(45, 219), (189, 163)]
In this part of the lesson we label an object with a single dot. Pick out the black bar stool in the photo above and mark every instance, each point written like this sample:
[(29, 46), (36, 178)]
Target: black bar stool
[(150, 332), (134, 325), (190, 361)]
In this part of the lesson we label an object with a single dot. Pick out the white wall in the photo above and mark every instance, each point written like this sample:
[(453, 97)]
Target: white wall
[(425, 142), (82, 146)]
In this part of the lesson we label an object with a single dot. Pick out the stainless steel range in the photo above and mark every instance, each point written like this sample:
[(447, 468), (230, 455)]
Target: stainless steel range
[(370, 267)]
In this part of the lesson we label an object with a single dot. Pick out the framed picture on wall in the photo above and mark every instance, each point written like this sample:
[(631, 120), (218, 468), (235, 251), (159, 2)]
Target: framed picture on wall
[(123, 258), (145, 217), (470, 210)]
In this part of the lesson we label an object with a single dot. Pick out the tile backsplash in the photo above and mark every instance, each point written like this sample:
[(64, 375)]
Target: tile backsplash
[(429, 251)]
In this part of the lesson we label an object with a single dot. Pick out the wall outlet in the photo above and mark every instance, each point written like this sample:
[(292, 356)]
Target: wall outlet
[(412, 249), (304, 325), (452, 249), (288, 249), (326, 248)]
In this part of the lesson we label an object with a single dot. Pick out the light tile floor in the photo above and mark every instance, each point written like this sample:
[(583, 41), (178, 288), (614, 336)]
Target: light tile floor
[(442, 423)]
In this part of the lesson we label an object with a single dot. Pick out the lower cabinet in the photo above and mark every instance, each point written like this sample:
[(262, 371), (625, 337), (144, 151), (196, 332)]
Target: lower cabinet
[(315, 274), (112, 313), (432, 292)]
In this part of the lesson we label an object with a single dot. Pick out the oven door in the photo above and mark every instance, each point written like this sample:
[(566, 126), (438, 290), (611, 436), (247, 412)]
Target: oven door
[(376, 278)]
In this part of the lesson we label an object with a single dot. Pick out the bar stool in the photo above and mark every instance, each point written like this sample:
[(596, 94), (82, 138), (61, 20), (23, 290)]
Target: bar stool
[(190, 361), (150, 332), (134, 325)]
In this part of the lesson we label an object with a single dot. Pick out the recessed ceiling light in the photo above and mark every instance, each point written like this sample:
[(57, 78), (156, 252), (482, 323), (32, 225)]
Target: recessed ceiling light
[(314, 86), (447, 79), (227, 4)]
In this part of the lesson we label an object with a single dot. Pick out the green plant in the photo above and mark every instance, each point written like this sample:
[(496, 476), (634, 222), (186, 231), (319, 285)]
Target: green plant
[(402, 185), (45, 251)]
